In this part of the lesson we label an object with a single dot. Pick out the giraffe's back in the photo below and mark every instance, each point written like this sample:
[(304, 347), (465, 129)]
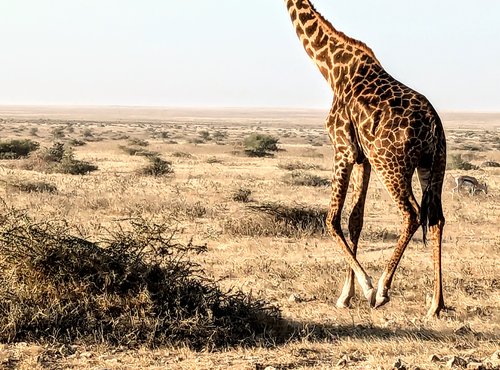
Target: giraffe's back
[(392, 121)]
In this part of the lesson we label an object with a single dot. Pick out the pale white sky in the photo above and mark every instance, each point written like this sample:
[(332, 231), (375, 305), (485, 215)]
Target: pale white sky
[(237, 52)]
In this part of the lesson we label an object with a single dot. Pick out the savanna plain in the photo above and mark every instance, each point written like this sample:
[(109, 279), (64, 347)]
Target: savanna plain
[(258, 219)]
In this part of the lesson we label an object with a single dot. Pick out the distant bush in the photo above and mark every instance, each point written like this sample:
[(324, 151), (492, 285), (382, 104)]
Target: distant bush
[(139, 151), (76, 142), (14, 149), (58, 133), (212, 160), (260, 145), (129, 288), (182, 155), (72, 166), (242, 195), (274, 219), (294, 166), (138, 142), (157, 167), (301, 178), (33, 187), (218, 136), (60, 159), (490, 164), (456, 162), (87, 133), (205, 135)]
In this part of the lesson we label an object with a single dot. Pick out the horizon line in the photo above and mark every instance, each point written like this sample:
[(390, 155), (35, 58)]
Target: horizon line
[(211, 107)]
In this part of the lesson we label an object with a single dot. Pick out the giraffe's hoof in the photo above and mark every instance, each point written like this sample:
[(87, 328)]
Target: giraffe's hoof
[(434, 312), (344, 302), (381, 300), (371, 296)]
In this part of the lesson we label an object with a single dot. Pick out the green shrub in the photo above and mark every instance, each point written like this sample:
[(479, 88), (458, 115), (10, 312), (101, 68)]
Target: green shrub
[(260, 145), (14, 149)]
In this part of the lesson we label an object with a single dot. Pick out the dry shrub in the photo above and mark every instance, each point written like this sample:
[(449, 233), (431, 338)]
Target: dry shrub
[(33, 187), (490, 164), (302, 178), (294, 166), (242, 195), (273, 219), (182, 155), (213, 160), (14, 149), (137, 151), (157, 167), (59, 159), (135, 287), (138, 142), (456, 162)]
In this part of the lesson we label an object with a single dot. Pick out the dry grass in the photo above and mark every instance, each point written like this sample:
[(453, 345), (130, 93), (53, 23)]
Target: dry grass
[(270, 244)]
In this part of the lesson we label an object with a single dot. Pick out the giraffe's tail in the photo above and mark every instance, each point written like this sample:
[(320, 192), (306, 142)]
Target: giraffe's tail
[(431, 179)]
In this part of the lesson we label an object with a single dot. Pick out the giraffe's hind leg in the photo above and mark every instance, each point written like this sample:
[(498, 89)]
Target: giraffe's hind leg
[(399, 188), (432, 211), (360, 178)]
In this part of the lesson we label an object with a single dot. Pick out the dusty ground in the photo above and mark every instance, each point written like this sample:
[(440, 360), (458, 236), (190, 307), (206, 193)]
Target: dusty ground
[(299, 273)]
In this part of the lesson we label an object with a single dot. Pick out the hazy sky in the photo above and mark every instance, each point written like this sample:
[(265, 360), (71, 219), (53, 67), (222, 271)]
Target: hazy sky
[(237, 52)]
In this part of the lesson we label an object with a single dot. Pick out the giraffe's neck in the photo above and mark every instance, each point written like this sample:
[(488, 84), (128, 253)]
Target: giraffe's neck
[(335, 54)]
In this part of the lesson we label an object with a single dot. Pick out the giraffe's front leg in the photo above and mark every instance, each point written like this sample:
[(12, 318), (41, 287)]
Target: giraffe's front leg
[(342, 171), (360, 177)]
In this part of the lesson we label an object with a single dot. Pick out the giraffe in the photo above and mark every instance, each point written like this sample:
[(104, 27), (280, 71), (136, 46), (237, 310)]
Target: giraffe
[(378, 123)]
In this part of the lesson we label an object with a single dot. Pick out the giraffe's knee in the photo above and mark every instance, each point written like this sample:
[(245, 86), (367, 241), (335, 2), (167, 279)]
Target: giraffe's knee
[(333, 222)]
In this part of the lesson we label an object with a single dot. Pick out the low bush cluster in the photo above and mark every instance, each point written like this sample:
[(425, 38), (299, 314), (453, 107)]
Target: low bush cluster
[(135, 285), (59, 159), (302, 178), (15, 149), (456, 162)]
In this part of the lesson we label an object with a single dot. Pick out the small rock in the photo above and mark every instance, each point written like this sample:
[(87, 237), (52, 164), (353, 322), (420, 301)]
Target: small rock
[(456, 361), (435, 358), (343, 361), (475, 366), (399, 365), (495, 357), (270, 368), (295, 298)]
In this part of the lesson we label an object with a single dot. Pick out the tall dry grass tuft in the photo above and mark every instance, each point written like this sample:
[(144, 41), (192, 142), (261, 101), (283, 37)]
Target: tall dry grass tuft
[(274, 219)]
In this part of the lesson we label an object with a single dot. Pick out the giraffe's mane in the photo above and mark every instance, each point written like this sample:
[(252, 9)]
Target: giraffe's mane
[(342, 36)]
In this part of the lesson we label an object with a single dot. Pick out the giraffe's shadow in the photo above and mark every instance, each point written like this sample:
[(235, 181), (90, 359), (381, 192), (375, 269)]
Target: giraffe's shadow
[(291, 330)]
